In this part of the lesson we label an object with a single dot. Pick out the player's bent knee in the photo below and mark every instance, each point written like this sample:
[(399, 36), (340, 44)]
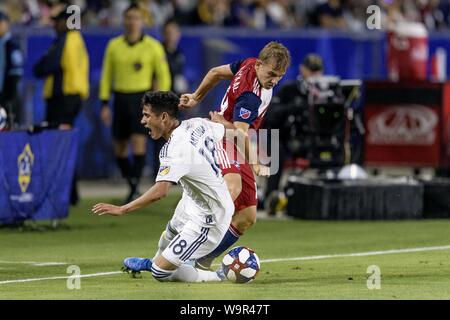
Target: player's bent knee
[(251, 220), (245, 219), (161, 274), (248, 222), (242, 226)]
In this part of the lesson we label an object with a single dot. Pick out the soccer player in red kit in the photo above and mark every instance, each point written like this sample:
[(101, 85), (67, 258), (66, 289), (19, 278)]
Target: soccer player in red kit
[(243, 107)]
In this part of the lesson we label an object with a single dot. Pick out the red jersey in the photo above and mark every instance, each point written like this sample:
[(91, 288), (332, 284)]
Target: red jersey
[(245, 99)]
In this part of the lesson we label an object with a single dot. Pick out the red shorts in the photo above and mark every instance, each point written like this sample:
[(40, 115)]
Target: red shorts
[(230, 163)]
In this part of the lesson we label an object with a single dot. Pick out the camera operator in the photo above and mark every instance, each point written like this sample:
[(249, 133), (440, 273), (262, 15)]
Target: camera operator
[(288, 110)]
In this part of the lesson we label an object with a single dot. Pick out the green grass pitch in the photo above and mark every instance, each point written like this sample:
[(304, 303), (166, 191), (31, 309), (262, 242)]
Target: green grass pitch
[(98, 245)]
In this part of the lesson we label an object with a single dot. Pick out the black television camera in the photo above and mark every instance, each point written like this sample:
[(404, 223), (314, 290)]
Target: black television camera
[(323, 131)]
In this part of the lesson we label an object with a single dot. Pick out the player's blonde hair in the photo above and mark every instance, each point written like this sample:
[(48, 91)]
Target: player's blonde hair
[(277, 52)]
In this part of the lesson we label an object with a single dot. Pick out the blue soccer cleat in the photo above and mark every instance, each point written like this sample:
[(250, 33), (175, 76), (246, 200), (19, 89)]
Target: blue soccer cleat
[(135, 265), (221, 273)]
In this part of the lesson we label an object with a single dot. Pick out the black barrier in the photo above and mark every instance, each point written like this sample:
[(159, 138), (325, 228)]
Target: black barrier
[(368, 199), (436, 200)]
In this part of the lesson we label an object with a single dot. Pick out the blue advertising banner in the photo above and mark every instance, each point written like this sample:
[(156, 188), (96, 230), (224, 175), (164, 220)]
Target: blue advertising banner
[(36, 172)]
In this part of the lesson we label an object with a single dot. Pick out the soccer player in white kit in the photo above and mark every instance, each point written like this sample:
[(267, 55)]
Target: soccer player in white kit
[(204, 213)]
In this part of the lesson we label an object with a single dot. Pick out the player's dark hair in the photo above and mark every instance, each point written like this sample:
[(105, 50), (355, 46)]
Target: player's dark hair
[(161, 101)]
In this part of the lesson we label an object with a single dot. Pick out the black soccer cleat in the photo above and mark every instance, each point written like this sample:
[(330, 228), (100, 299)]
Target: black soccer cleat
[(134, 274)]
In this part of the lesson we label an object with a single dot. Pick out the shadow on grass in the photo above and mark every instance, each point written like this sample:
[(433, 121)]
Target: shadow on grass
[(30, 226), (51, 226)]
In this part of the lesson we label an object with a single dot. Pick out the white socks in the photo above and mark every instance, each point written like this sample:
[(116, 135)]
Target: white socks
[(187, 273)]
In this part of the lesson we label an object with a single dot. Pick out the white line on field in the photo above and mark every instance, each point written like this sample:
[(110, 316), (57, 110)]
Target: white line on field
[(34, 263), (360, 254), (330, 256), (63, 277)]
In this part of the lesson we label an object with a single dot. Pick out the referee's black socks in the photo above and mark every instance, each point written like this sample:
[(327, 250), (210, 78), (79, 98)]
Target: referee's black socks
[(135, 175), (124, 166), (138, 166), (132, 173)]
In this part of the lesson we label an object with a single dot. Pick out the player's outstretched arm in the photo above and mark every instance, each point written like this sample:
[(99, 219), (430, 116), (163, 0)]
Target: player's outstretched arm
[(158, 191), (212, 78)]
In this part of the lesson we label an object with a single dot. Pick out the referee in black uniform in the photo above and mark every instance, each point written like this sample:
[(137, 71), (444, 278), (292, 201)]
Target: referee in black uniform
[(130, 64)]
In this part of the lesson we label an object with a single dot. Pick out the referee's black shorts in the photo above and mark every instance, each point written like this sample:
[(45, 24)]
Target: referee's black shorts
[(127, 115)]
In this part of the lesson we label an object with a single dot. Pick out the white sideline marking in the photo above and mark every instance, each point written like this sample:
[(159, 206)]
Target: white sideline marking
[(34, 263), (329, 256), (360, 254), (46, 264), (63, 277)]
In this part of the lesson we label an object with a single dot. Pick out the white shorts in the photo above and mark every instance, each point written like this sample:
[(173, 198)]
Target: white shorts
[(195, 238), (194, 242), (180, 216), (188, 210)]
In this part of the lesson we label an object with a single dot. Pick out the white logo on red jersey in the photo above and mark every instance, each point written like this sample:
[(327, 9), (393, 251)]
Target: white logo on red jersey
[(244, 113)]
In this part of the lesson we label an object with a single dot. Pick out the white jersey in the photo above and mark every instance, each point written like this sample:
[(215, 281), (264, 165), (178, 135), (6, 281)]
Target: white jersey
[(189, 157)]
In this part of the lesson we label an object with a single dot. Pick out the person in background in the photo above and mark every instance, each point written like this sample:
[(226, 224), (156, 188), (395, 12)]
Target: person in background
[(330, 15), (11, 70), (65, 67), (290, 100), (130, 64), (176, 59)]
